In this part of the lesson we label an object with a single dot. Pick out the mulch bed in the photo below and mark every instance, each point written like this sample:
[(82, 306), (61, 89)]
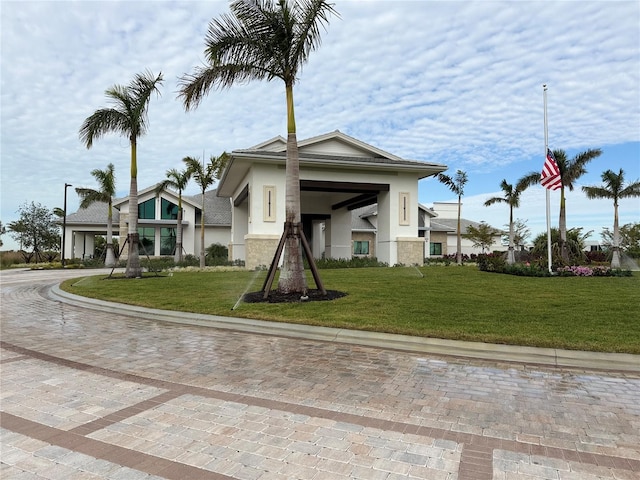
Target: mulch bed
[(276, 297)]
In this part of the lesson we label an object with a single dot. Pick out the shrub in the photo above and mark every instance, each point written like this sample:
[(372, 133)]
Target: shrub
[(597, 271), (491, 262), (355, 262)]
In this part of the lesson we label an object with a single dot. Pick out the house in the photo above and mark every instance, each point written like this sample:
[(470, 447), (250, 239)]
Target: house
[(338, 175), (157, 216), (441, 231)]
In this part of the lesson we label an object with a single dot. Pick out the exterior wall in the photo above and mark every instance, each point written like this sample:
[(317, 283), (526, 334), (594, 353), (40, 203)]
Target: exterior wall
[(338, 235), (397, 217), (410, 251), (365, 237), (441, 237), (259, 250)]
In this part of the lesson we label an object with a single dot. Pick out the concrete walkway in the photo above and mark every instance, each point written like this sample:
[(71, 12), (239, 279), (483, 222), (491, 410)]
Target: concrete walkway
[(98, 392)]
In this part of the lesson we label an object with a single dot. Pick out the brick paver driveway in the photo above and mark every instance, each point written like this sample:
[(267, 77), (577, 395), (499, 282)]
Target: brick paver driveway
[(93, 395)]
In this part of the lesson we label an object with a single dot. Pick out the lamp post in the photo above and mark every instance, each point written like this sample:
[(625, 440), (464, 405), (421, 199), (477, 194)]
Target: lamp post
[(64, 222)]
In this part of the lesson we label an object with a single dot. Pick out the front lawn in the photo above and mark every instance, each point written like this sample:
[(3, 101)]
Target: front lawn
[(460, 303)]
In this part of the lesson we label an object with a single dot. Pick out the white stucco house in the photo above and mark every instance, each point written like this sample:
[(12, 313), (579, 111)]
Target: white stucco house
[(441, 231), (339, 175)]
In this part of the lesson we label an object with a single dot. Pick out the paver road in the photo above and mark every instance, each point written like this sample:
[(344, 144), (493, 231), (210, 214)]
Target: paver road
[(95, 395)]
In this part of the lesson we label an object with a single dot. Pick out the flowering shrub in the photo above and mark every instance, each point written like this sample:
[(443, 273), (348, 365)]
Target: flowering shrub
[(596, 271)]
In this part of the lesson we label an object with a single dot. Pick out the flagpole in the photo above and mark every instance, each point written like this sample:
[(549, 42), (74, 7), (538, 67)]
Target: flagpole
[(546, 148)]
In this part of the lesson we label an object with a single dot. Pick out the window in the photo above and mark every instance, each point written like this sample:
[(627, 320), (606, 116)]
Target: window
[(361, 247), (167, 241), (147, 240), (147, 210), (435, 248), (269, 204), (404, 212), (169, 211)]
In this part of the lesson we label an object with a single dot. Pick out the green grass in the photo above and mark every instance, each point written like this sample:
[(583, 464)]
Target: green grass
[(460, 303)]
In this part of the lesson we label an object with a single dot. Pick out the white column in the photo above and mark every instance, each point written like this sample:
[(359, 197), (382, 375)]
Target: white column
[(340, 235)]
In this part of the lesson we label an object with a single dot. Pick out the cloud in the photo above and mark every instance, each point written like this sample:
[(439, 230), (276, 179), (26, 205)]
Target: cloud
[(458, 83)]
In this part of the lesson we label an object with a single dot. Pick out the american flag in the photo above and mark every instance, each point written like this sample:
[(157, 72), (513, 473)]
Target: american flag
[(550, 176)]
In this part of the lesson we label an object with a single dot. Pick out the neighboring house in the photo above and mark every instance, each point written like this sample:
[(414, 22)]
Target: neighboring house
[(157, 217), (441, 232), (355, 200)]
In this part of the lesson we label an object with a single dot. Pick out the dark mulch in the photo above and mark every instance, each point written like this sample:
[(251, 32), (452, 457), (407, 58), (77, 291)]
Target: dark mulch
[(276, 297)]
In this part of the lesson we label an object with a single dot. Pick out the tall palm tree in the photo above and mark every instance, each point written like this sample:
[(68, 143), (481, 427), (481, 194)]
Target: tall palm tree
[(179, 181), (512, 198), (570, 172), (614, 188), (127, 117), (204, 176), (265, 39), (456, 185), (107, 189)]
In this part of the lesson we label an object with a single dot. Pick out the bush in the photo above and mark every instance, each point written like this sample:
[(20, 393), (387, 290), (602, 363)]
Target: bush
[(355, 262), (597, 271), (491, 262)]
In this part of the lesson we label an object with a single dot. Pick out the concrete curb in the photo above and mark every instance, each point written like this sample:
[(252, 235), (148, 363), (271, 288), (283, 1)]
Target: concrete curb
[(486, 351)]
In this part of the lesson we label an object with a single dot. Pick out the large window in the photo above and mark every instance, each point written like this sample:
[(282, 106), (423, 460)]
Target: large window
[(169, 210), (167, 241), (147, 240), (435, 248), (147, 210), (361, 247)]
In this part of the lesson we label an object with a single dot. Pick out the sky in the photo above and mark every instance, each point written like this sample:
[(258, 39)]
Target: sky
[(452, 82)]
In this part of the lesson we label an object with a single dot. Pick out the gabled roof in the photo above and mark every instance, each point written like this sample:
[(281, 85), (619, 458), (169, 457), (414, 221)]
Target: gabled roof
[(333, 142), (94, 214), (450, 225), (360, 216), (217, 210), (333, 150)]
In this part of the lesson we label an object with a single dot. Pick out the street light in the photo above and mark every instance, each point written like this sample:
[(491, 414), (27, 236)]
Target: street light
[(64, 222)]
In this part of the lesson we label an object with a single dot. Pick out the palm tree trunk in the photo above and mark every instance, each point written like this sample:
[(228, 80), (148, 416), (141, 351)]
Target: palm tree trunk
[(177, 257), (292, 278), (133, 269), (459, 238), (511, 258), (615, 258), (110, 258), (562, 223), (202, 262)]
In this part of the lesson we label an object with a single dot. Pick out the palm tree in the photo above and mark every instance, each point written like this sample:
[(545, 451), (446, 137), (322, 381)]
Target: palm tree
[(204, 176), (265, 39), (512, 198), (615, 189), (129, 118), (570, 172), (107, 181), (177, 180), (456, 185)]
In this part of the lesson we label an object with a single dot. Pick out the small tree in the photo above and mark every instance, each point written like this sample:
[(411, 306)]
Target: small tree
[(177, 180), (3, 230), (570, 172), (614, 188), (36, 231), (629, 241), (127, 117), (520, 233), (456, 185), (482, 236), (107, 183), (204, 176), (265, 40), (512, 198), (575, 245)]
